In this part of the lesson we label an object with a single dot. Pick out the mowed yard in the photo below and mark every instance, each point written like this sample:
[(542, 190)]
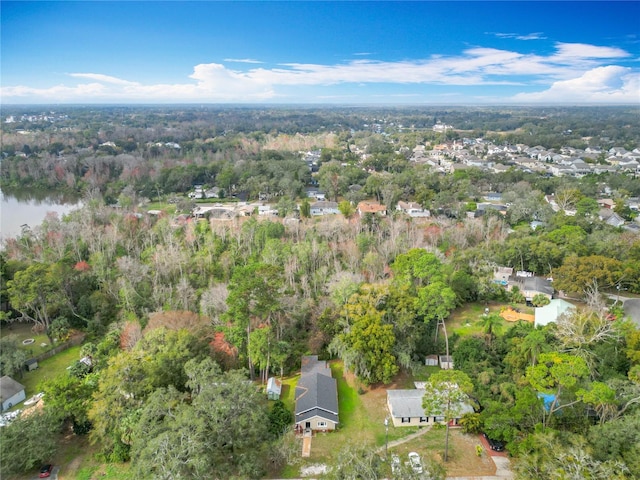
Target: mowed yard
[(362, 413), (467, 320)]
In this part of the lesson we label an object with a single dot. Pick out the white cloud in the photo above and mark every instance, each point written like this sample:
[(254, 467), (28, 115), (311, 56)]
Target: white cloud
[(569, 51), (102, 78), (517, 36), (573, 68), (242, 60), (609, 84)]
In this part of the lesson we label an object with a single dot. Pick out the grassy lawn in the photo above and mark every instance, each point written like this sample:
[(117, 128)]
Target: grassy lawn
[(462, 455), (169, 208), (49, 368), (288, 392), (22, 331), (467, 320)]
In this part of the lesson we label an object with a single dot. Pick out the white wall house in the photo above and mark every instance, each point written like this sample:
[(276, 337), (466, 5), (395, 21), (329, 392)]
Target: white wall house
[(11, 392)]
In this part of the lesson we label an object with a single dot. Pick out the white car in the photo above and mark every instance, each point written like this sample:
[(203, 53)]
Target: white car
[(414, 461)]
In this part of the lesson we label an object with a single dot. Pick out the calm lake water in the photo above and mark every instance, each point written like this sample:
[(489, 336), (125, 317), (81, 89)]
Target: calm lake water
[(30, 208)]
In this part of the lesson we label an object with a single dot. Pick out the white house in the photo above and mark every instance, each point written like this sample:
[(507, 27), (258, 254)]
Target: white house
[(11, 392), (324, 208), (412, 209), (405, 409)]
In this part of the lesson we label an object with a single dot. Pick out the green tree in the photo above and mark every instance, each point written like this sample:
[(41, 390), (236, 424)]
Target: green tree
[(471, 423), (577, 274), (559, 459), (254, 293), (34, 292), (366, 345), (540, 300), (357, 461), (533, 345), (446, 392), (602, 398), (418, 267), (12, 357), (305, 209), (69, 397), (220, 433), (618, 441), (280, 418), (28, 442), (346, 208), (556, 374), (491, 325)]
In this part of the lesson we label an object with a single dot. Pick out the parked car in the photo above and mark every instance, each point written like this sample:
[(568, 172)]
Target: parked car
[(495, 445), (45, 471), (395, 464), (414, 461)]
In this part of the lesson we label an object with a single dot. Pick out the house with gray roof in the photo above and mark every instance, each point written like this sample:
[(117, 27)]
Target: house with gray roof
[(11, 392), (316, 397), (405, 409)]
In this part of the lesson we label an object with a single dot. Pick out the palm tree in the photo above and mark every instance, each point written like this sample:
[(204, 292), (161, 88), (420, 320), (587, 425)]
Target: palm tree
[(533, 345), (491, 325)]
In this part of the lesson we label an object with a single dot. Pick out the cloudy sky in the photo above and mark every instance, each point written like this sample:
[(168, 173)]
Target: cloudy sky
[(354, 52)]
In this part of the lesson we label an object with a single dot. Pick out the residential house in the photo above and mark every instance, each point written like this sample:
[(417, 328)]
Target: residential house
[(610, 217), (316, 397), (213, 192), (405, 409), (550, 313), (413, 209), (606, 203), (371, 207), (501, 275), (274, 388), (11, 392), (492, 196), (324, 208), (532, 286), (267, 210)]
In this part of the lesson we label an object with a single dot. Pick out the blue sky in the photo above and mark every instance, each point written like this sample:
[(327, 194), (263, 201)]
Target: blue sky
[(355, 52)]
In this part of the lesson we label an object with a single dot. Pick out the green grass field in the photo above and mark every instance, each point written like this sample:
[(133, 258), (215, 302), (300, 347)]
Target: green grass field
[(23, 331), (49, 368)]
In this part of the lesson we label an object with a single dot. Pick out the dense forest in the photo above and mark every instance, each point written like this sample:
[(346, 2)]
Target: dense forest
[(184, 316)]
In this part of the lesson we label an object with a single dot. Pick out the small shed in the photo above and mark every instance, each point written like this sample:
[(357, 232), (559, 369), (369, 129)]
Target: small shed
[(31, 364), (11, 392), (274, 388), (446, 362), (431, 360)]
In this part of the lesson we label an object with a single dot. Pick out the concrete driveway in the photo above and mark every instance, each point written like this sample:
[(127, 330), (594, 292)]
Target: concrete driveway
[(632, 309)]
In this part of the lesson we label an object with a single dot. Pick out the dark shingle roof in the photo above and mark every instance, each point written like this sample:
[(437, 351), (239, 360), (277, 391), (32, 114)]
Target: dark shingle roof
[(317, 391)]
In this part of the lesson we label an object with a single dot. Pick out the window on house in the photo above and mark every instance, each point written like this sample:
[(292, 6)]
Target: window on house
[(439, 419), (406, 420), (322, 424), (424, 420)]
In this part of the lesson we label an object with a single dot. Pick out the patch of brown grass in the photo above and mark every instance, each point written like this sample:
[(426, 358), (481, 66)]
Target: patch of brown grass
[(463, 460)]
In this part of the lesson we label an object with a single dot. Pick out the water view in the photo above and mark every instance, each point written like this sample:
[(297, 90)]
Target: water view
[(29, 208)]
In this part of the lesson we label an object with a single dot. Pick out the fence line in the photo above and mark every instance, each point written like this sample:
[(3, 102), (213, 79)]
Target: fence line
[(72, 342)]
